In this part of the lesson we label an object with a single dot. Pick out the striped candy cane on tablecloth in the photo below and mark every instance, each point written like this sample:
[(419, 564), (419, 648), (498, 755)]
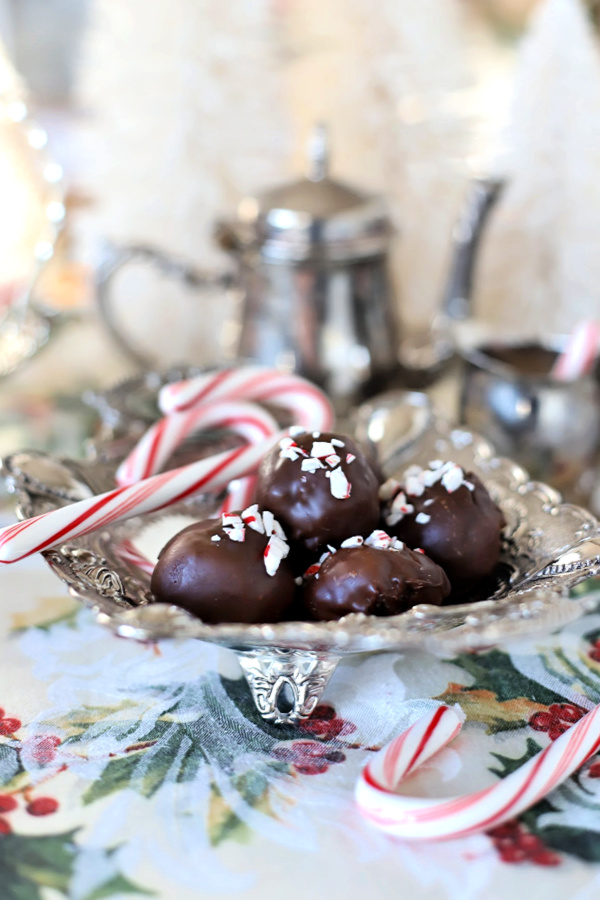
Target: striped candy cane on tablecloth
[(430, 818)]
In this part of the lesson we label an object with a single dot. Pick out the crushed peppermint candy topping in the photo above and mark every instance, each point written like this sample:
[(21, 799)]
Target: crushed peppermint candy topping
[(233, 527), (422, 518), (377, 540), (451, 476), (299, 580), (452, 479), (311, 465), (339, 485), (236, 534), (215, 538), (322, 455), (289, 449), (428, 502), (295, 430), (356, 541), (253, 519), (388, 489), (400, 507), (413, 486), (276, 550), (381, 540), (322, 449)]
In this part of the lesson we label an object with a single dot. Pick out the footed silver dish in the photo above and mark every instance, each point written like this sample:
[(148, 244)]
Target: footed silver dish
[(548, 549)]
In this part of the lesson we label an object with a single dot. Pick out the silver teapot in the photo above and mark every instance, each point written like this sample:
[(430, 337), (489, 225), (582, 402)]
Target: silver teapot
[(312, 274)]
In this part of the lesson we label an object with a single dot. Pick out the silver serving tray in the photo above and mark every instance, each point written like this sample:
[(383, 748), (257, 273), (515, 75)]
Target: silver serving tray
[(549, 547)]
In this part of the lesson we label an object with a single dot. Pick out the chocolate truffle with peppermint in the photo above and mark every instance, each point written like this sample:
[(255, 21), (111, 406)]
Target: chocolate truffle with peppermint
[(321, 487), (230, 569), (378, 577), (450, 515)]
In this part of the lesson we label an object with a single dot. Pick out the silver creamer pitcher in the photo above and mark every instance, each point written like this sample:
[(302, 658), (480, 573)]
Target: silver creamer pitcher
[(311, 272)]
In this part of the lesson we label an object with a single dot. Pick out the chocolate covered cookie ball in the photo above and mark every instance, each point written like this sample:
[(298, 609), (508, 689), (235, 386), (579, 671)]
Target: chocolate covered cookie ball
[(380, 577), (451, 516), (231, 569), (321, 487)]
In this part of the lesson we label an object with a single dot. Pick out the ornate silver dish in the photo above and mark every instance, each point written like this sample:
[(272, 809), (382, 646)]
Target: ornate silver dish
[(549, 548)]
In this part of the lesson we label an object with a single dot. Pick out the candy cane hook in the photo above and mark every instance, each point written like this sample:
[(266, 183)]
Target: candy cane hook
[(430, 818)]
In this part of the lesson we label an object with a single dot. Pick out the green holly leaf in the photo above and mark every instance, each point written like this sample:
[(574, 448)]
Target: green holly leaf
[(509, 764), (29, 864), (577, 842), (118, 885), (10, 764), (495, 672)]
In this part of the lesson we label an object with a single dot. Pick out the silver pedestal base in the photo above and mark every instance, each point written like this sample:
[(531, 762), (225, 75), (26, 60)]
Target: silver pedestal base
[(286, 684)]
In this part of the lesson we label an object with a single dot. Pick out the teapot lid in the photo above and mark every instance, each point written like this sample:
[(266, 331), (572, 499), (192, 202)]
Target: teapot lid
[(316, 216)]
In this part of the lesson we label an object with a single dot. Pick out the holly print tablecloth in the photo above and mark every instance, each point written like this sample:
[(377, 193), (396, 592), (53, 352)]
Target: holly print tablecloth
[(131, 770)]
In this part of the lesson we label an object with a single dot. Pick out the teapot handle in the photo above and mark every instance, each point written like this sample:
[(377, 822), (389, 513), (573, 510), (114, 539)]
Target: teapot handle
[(115, 258), (467, 233)]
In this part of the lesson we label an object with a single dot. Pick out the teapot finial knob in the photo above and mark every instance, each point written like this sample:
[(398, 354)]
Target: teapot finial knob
[(318, 153)]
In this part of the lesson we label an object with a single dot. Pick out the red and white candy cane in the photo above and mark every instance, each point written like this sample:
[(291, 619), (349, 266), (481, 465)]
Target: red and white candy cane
[(430, 818), (308, 405), (580, 353), (249, 420), (42, 532), (130, 554)]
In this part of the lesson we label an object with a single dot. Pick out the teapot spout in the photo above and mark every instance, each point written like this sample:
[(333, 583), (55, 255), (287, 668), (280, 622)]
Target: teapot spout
[(468, 230), (424, 355)]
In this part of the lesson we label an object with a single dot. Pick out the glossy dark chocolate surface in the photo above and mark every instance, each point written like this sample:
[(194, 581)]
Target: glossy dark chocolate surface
[(303, 502), (463, 534), (222, 581), (374, 582)]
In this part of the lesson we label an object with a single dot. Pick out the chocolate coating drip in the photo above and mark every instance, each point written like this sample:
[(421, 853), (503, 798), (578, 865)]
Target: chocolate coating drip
[(374, 582), (463, 531), (303, 501), (222, 581)]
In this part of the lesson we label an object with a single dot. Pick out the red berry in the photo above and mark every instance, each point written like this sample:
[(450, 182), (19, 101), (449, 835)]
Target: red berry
[(546, 858), (4, 826), (595, 654), (530, 843), (42, 806), (323, 711), (9, 726), (313, 769), (594, 770), (542, 721), (556, 730), (7, 803), (43, 747), (571, 713), (503, 842), (507, 830), (512, 854)]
